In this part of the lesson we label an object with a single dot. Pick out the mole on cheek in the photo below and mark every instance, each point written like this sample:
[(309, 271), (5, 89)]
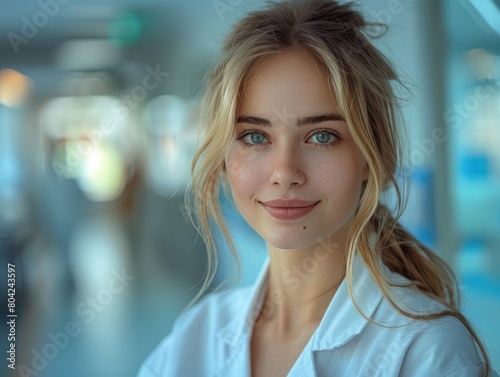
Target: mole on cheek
[(304, 227)]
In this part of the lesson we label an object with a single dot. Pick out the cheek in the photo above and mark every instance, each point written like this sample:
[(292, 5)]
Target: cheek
[(343, 184), (243, 172)]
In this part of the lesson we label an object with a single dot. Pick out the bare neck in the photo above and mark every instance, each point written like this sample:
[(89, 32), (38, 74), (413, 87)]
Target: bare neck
[(301, 286)]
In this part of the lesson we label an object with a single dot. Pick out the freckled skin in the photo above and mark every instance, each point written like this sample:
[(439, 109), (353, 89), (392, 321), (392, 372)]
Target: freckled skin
[(290, 163)]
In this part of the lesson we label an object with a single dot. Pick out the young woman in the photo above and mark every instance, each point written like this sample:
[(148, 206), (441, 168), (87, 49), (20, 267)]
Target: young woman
[(301, 133)]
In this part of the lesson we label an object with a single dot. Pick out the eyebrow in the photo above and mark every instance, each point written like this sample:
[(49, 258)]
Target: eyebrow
[(303, 121)]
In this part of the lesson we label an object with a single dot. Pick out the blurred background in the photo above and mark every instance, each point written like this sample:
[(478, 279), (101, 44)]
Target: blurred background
[(98, 124)]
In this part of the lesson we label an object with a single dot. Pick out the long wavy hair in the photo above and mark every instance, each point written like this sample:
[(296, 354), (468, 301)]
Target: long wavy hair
[(363, 81)]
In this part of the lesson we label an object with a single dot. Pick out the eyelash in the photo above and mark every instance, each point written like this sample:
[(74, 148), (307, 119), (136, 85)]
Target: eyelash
[(337, 137)]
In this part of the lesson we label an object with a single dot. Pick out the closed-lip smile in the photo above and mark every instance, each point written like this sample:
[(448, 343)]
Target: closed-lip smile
[(288, 209)]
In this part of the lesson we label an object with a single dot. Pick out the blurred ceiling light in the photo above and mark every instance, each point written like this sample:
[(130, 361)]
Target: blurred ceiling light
[(87, 83), (167, 115), (71, 117), (14, 87), (87, 54), (102, 175), (486, 12), (482, 63), (171, 122), (125, 29)]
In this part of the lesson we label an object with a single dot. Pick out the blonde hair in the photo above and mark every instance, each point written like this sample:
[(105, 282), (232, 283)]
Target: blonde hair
[(362, 79)]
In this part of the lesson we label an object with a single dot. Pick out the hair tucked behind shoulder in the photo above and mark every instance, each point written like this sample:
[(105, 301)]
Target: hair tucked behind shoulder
[(362, 80)]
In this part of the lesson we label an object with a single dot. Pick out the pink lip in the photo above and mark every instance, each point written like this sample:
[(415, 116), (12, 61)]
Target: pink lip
[(288, 209)]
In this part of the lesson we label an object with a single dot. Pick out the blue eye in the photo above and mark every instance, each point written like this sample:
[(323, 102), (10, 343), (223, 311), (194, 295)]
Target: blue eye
[(255, 138), (252, 138), (324, 138)]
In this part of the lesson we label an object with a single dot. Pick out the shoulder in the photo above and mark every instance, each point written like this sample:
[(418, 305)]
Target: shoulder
[(194, 335), (211, 313), (446, 346), (443, 346)]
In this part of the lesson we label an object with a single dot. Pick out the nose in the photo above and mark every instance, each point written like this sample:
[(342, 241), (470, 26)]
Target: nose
[(286, 168)]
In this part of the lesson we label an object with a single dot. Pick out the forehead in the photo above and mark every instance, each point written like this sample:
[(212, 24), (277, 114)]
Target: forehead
[(294, 82)]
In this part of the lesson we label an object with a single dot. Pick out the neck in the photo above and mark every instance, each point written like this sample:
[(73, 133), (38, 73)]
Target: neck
[(302, 283)]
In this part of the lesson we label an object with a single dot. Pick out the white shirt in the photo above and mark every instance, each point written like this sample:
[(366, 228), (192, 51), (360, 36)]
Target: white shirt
[(213, 338)]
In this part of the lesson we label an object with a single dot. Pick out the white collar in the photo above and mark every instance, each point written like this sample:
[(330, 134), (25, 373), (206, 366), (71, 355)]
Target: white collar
[(340, 323)]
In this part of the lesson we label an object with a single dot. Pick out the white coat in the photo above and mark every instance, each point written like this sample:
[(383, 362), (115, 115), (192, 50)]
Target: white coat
[(213, 338)]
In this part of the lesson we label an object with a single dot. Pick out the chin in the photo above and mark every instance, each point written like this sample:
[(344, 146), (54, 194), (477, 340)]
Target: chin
[(299, 238), (288, 241)]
